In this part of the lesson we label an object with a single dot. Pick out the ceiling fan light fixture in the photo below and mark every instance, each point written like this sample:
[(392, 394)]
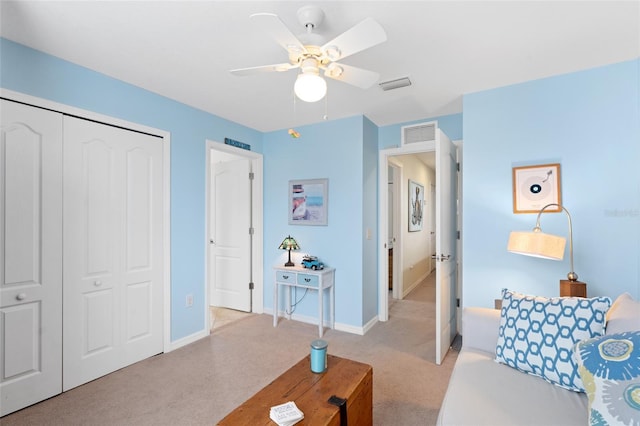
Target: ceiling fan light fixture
[(332, 52), (310, 87), (334, 70)]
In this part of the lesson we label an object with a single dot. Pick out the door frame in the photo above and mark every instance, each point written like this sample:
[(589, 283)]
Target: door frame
[(398, 273), (166, 184), (384, 158), (257, 305)]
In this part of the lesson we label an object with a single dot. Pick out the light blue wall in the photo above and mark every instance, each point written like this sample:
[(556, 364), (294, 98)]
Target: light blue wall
[(370, 223), (332, 150), (589, 122), (34, 73)]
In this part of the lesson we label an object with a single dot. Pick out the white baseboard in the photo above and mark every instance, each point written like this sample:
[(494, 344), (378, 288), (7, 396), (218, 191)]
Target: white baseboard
[(314, 321), (414, 284), (187, 340)]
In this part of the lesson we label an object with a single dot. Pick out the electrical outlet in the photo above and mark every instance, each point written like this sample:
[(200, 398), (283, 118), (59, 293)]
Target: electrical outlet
[(189, 301)]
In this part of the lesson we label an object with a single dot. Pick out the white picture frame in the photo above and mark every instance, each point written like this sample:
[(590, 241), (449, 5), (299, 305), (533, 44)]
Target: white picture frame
[(308, 202)]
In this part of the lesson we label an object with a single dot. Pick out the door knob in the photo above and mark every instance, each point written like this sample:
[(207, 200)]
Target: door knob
[(97, 283), (21, 296), (212, 242)]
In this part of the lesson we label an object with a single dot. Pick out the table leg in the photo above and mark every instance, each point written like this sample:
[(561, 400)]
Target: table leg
[(289, 302), (332, 307), (320, 310), (275, 304)]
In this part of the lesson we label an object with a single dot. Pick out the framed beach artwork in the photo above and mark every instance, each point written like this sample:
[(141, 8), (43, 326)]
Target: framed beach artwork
[(308, 201), (536, 186), (416, 206)]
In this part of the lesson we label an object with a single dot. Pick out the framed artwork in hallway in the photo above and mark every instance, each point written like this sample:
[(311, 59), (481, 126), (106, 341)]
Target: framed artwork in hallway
[(416, 206)]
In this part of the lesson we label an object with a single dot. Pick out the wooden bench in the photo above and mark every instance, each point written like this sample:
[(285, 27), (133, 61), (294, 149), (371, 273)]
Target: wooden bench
[(310, 391)]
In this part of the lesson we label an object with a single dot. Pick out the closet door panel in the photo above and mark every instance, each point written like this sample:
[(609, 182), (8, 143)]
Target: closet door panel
[(30, 255), (112, 249)]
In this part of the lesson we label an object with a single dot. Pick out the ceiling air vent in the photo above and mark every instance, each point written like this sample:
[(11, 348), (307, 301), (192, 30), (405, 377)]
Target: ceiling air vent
[(395, 84), (421, 132)]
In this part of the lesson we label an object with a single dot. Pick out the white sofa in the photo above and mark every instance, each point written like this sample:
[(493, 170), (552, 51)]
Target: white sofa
[(484, 392)]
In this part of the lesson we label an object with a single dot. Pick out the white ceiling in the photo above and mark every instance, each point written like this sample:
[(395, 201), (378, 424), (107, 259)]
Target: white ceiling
[(184, 50)]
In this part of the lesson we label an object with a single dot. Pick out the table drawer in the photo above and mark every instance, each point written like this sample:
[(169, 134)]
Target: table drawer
[(286, 277), (308, 280)]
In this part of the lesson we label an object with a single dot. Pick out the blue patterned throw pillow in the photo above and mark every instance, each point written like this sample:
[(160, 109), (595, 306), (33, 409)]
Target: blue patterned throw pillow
[(537, 334), (610, 370)]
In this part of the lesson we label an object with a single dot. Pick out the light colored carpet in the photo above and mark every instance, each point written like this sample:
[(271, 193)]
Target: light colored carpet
[(202, 382)]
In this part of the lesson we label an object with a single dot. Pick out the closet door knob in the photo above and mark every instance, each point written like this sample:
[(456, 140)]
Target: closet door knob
[(97, 283), (21, 296)]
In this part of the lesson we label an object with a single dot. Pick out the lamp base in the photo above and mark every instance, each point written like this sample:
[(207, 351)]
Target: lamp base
[(289, 264), (573, 288)]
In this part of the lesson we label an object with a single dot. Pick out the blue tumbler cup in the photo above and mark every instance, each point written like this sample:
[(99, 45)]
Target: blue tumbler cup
[(319, 356)]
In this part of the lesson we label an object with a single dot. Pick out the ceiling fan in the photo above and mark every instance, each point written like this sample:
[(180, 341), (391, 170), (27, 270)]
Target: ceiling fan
[(310, 54)]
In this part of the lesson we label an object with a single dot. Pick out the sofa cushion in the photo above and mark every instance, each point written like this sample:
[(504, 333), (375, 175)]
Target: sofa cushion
[(482, 392), (610, 370), (537, 334), (624, 315), (480, 328)]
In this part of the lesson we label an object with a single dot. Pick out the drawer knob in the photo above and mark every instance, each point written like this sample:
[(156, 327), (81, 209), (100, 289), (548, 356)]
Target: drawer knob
[(286, 277), (307, 279), (21, 296)]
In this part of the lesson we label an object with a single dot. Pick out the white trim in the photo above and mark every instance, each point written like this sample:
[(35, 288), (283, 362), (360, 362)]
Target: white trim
[(258, 238), (188, 339), (458, 143), (415, 284), (166, 153), (347, 328), (398, 245)]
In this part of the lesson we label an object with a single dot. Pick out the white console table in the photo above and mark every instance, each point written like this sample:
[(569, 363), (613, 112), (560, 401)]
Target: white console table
[(297, 276)]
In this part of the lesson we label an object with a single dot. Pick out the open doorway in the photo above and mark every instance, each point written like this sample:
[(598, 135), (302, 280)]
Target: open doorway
[(409, 261), (445, 231), (234, 233)]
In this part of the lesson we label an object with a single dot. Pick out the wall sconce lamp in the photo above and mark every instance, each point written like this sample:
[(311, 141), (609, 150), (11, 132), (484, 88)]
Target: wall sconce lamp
[(547, 246), (289, 244)]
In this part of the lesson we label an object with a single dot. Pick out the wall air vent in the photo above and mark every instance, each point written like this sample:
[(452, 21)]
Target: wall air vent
[(421, 132)]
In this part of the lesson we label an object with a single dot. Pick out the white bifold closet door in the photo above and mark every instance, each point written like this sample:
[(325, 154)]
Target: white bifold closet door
[(30, 255), (112, 249), (81, 242)]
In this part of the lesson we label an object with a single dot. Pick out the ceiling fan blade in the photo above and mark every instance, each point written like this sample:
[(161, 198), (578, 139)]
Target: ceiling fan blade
[(364, 35), (273, 25), (264, 68), (356, 76)]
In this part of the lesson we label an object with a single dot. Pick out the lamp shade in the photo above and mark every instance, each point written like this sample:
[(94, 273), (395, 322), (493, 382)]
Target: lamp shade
[(289, 243), (537, 244), (310, 87)]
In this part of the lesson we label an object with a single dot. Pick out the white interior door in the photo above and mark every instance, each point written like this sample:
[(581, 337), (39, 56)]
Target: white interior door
[(113, 241), (230, 239), (446, 236), (432, 225), (30, 255)]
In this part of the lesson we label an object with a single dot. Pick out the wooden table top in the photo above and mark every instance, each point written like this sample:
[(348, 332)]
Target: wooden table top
[(310, 391)]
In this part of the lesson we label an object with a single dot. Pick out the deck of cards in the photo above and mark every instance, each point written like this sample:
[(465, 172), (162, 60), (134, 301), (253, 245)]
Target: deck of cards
[(286, 414)]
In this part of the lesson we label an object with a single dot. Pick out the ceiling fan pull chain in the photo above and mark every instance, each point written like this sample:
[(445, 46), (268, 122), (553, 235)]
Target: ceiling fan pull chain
[(326, 107)]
